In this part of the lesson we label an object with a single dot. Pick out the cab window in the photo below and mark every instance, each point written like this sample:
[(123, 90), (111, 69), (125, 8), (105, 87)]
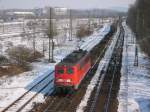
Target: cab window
[(60, 71), (69, 70)]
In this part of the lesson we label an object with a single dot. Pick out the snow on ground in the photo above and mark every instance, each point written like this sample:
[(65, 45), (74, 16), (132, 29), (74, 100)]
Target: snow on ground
[(91, 41), (134, 94), (103, 64), (13, 87), (8, 28)]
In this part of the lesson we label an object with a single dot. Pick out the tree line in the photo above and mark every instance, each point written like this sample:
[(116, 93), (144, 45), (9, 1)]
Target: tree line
[(139, 21)]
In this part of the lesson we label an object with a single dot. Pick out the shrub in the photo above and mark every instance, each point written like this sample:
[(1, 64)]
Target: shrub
[(83, 31), (3, 60), (35, 56), (21, 56)]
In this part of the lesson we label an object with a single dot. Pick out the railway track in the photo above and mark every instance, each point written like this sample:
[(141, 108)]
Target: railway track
[(69, 102), (89, 45), (105, 93), (21, 103), (27, 97), (66, 100)]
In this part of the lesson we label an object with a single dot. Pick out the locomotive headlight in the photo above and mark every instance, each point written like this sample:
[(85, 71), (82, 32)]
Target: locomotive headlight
[(59, 80), (68, 80)]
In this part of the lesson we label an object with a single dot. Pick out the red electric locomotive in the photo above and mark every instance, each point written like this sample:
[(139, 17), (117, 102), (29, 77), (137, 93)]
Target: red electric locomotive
[(71, 70)]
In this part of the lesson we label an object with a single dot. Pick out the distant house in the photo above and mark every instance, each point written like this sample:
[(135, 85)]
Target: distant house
[(60, 10), (57, 10), (23, 13), (20, 14)]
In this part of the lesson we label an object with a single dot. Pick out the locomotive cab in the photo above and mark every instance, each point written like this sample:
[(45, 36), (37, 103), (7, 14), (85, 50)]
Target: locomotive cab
[(71, 70), (64, 75)]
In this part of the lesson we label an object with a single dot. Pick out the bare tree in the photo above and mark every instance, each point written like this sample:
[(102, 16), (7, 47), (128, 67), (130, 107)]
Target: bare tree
[(83, 31), (22, 55), (139, 21), (32, 26)]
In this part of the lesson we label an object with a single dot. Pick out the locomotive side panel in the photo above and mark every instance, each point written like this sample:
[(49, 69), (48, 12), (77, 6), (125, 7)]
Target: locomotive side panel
[(83, 67)]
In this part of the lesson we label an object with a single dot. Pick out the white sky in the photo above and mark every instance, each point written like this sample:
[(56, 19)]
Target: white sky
[(82, 4)]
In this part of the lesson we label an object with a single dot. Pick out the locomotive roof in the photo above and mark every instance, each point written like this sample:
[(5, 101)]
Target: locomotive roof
[(73, 58)]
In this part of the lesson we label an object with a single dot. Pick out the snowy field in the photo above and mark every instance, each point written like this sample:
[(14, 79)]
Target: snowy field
[(13, 87), (134, 95)]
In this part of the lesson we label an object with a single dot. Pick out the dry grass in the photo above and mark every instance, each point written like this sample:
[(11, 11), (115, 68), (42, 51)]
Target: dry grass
[(11, 70)]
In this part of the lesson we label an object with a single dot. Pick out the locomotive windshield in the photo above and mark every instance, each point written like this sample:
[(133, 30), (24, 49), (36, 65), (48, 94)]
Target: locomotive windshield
[(60, 71), (69, 70)]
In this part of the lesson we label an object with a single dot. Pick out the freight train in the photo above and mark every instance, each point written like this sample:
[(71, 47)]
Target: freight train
[(71, 70)]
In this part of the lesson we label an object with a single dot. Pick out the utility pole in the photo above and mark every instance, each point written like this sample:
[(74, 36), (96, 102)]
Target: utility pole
[(102, 20), (136, 56), (50, 35), (34, 39), (3, 27), (70, 16), (136, 48), (99, 21), (43, 48), (34, 35), (3, 24), (89, 20), (23, 24)]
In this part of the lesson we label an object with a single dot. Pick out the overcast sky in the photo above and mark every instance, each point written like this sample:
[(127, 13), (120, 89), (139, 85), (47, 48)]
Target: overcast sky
[(82, 4)]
